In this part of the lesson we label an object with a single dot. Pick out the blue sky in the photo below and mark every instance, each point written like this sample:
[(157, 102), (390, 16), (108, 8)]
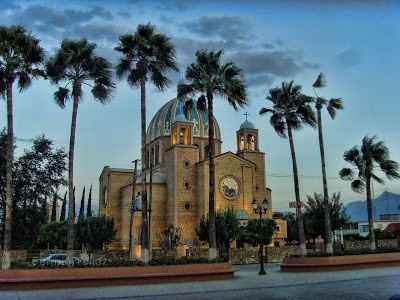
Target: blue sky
[(355, 43)]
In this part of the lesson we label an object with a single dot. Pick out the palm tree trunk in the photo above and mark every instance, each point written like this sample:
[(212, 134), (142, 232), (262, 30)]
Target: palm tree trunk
[(299, 214), (328, 235), (144, 232), (6, 261), (150, 202), (372, 242), (71, 192), (132, 208), (211, 192)]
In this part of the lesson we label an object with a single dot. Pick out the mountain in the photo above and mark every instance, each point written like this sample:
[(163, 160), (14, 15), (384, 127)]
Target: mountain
[(385, 203)]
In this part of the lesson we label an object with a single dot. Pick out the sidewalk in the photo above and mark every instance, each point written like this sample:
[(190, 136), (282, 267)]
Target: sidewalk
[(247, 278)]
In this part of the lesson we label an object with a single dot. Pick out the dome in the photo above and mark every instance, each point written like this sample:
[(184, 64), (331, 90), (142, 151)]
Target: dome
[(171, 112), (247, 125)]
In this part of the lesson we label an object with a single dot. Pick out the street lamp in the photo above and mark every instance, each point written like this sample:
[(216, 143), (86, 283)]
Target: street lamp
[(260, 208)]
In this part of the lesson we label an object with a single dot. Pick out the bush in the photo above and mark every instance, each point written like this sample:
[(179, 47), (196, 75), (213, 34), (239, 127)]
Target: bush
[(170, 260), (351, 252)]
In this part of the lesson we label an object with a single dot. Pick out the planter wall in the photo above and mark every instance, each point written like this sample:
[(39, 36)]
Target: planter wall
[(310, 264), (86, 277)]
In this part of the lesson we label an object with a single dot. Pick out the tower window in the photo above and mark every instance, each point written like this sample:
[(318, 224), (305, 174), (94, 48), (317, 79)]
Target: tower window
[(187, 185)]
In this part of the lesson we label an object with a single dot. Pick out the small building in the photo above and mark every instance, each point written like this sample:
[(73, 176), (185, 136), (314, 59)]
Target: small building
[(280, 235)]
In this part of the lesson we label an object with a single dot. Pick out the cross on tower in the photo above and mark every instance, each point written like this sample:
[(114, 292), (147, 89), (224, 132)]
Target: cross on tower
[(246, 114)]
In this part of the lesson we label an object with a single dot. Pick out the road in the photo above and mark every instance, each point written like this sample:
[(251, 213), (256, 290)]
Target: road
[(377, 283)]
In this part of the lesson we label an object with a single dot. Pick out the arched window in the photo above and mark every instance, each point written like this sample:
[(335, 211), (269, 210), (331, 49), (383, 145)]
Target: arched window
[(152, 156), (206, 150), (157, 154)]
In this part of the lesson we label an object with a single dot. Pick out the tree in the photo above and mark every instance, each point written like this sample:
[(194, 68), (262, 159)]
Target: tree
[(82, 207), (73, 65), (38, 173), (209, 77), (170, 239), (290, 111), (314, 215), (372, 156), (331, 106), (147, 55), (259, 232), (20, 59), (227, 228), (89, 204), (53, 235), (63, 208), (53, 216), (291, 224), (95, 232)]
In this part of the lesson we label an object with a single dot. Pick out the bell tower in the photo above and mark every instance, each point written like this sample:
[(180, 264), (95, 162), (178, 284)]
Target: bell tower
[(248, 148), (180, 162), (181, 129), (247, 137)]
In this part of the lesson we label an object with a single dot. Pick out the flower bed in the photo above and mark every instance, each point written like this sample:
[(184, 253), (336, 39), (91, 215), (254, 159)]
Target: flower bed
[(327, 263), (85, 277)]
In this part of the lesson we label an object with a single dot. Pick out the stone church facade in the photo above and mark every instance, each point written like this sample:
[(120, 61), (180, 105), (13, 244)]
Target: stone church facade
[(177, 147)]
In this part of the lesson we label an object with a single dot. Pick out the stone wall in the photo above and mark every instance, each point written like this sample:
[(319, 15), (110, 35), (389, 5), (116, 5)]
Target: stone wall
[(16, 255)]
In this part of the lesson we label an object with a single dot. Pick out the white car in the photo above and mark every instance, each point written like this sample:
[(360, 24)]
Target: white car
[(59, 259)]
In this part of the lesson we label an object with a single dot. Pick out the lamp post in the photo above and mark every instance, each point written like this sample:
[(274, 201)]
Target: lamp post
[(260, 208)]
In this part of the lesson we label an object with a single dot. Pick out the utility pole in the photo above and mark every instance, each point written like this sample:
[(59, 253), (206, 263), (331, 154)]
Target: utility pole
[(132, 208), (150, 201)]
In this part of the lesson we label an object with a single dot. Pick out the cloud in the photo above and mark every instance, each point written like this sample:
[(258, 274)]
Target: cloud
[(45, 18), (231, 29), (180, 5), (97, 32), (267, 65), (348, 58)]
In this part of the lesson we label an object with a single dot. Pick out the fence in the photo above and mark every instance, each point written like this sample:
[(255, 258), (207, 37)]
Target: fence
[(363, 245)]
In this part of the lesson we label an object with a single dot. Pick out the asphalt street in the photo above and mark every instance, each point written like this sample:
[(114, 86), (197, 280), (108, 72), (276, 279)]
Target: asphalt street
[(377, 283)]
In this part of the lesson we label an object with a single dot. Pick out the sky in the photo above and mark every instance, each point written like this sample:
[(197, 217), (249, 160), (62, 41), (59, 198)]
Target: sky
[(356, 43)]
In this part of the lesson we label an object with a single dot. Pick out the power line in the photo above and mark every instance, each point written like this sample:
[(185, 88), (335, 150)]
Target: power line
[(281, 175)]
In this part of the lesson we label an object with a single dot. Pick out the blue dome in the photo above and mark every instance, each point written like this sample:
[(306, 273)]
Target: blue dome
[(247, 125), (171, 112)]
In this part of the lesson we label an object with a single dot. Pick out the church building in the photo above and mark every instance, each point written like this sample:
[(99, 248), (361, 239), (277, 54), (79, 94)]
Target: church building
[(177, 147)]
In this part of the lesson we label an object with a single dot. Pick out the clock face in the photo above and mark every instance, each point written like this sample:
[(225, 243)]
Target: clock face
[(229, 187)]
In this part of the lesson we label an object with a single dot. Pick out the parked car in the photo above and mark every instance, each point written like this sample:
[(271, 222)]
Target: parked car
[(58, 259)]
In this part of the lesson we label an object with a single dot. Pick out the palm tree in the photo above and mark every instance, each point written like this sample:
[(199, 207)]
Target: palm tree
[(209, 77), (146, 55), (331, 106), (73, 65), (20, 59), (372, 156), (290, 111)]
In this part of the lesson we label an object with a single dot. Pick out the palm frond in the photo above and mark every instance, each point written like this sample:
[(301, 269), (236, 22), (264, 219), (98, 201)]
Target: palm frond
[(377, 179), (346, 174), (184, 89), (61, 96), (352, 156), (265, 110), (390, 168), (358, 185), (320, 82), (333, 105), (201, 103)]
